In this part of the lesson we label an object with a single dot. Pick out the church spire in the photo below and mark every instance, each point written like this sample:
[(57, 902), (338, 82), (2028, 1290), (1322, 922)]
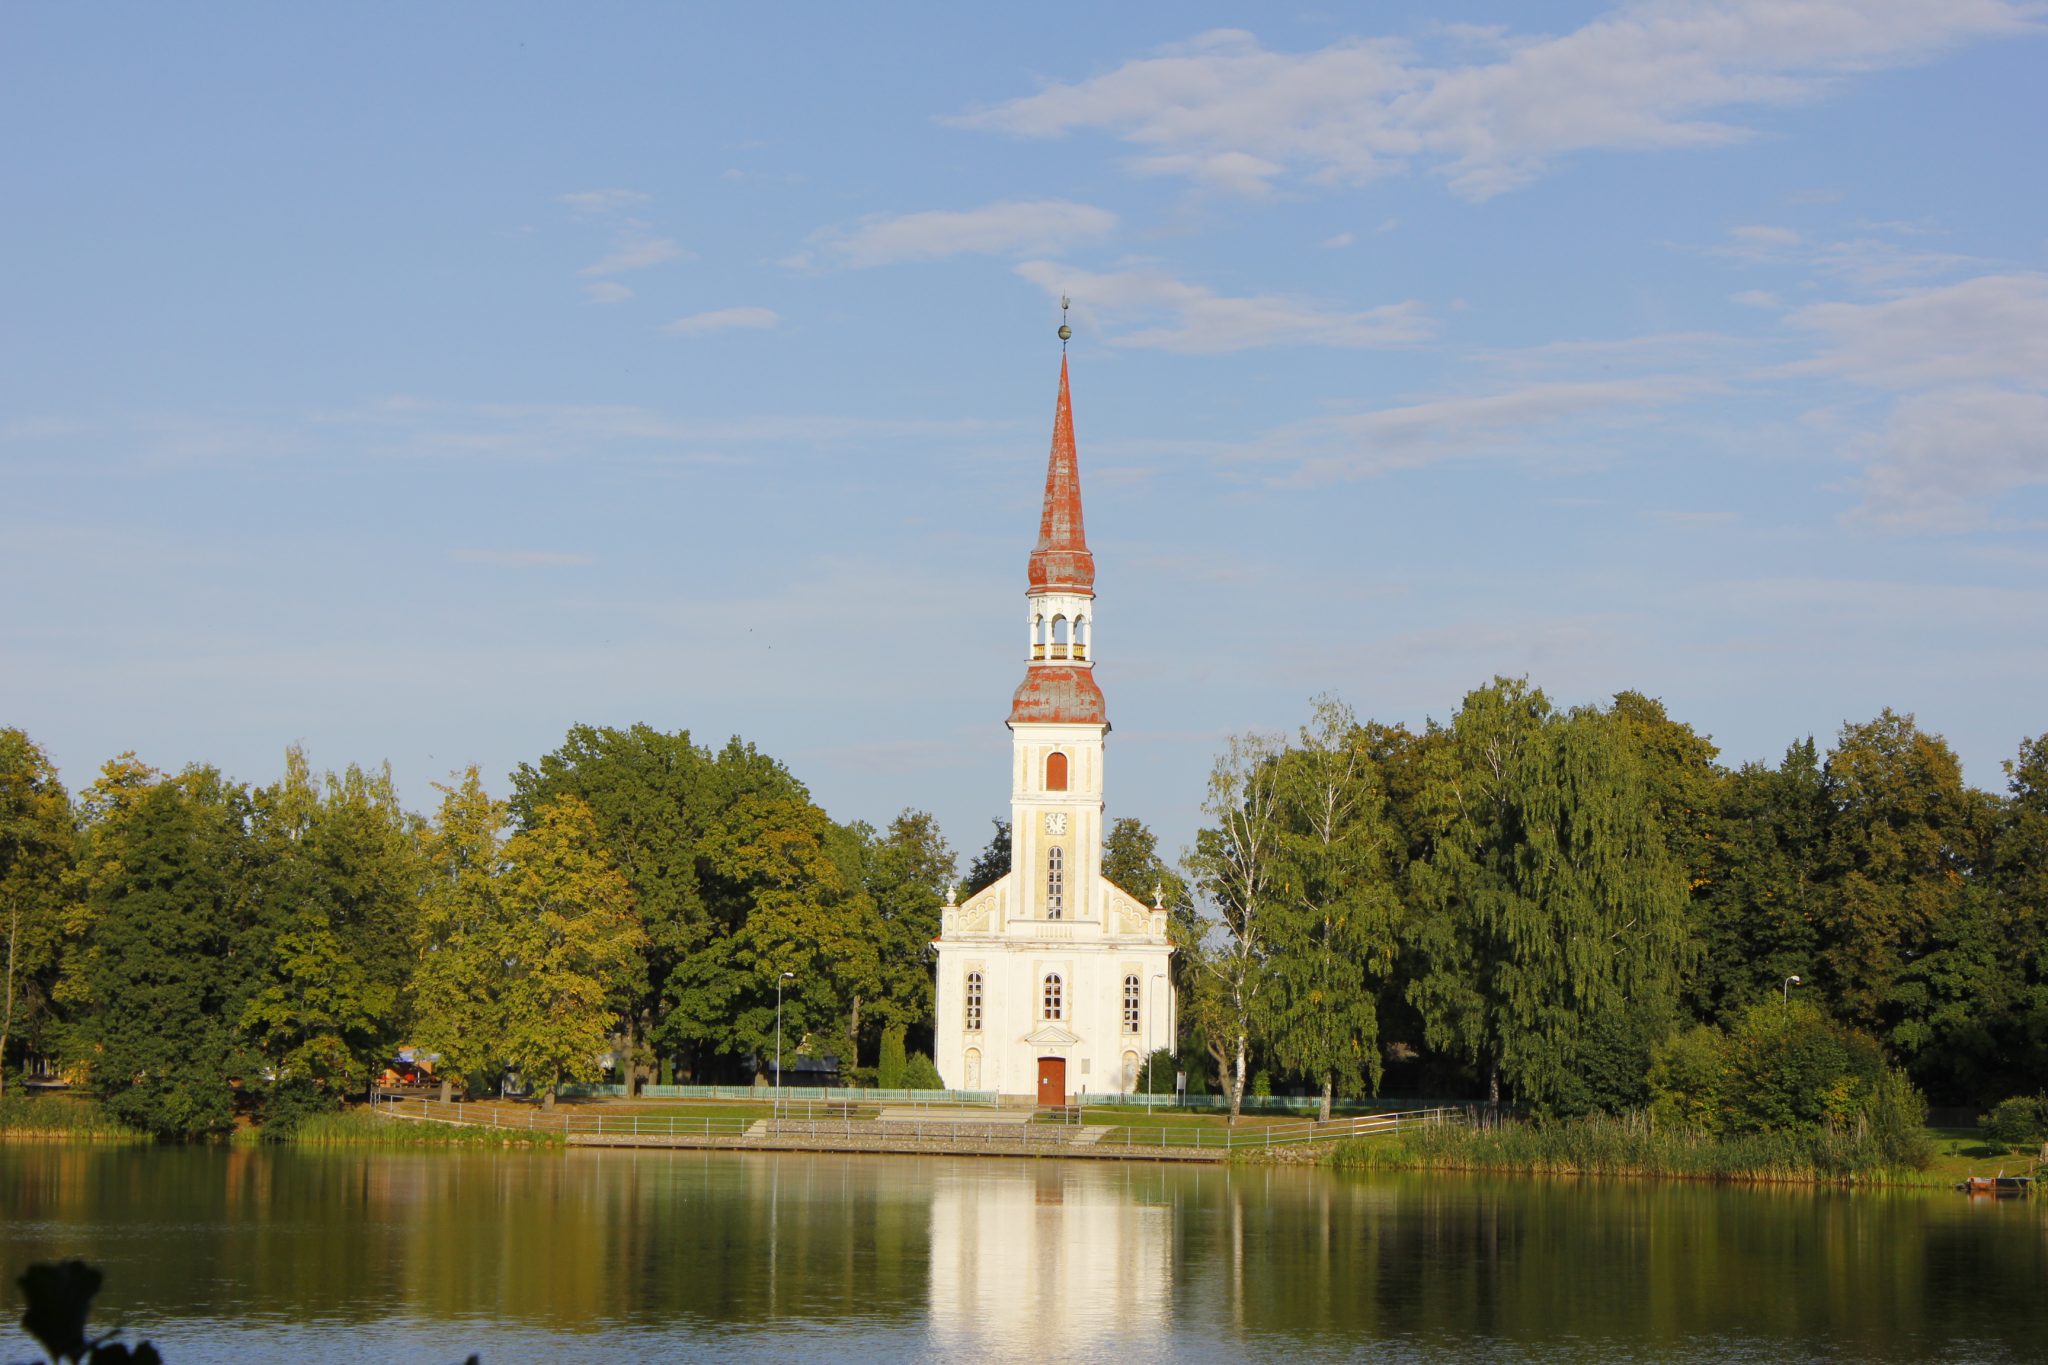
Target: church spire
[(1059, 683), (1060, 562)]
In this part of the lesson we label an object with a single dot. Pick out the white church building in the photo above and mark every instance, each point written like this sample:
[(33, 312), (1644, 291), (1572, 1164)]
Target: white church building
[(1053, 982)]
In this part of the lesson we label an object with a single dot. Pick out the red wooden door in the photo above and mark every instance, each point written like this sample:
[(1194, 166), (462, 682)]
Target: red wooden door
[(1052, 1081)]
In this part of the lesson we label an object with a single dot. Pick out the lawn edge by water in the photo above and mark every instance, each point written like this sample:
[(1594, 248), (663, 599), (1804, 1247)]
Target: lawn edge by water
[(360, 1128)]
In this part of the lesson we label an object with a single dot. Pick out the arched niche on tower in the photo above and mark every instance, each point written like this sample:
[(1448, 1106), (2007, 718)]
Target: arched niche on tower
[(1055, 772)]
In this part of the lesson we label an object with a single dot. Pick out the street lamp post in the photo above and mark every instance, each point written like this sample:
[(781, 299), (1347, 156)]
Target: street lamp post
[(1790, 982), (786, 976)]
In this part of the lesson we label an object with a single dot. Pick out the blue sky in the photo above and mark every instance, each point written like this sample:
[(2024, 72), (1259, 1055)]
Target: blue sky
[(414, 382)]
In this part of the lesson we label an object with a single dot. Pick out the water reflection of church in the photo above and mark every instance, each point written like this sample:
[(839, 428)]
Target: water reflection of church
[(1012, 1240), (1053, 982)]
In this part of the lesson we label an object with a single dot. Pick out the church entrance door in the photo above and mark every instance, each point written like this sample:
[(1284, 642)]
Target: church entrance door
[(1052, 1082)]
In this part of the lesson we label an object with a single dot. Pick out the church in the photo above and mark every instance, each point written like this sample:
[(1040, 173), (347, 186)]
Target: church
[(1053, 982)]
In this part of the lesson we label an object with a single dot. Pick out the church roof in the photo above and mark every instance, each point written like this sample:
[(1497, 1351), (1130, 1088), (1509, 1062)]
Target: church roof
[(1057, 695), (1060, 562)]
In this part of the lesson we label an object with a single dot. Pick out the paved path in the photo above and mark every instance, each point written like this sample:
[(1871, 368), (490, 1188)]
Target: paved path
[(978, 1117), (871, 1137)]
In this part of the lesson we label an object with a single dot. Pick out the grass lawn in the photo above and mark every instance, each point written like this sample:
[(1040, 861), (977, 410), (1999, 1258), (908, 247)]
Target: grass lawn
[(1964, 1151)]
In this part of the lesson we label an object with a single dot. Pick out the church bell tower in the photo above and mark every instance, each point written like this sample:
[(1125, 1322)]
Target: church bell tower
[(1053, 982)]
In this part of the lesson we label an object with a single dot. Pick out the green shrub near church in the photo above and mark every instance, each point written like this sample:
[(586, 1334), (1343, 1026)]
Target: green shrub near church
[(919, 1073), (891, 1068)]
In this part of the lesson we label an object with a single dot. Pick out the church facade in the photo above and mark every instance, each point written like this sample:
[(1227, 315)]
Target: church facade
[(1053, 982)]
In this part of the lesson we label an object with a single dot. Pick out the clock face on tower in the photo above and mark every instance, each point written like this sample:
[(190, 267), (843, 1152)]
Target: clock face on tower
[(1056, 822)]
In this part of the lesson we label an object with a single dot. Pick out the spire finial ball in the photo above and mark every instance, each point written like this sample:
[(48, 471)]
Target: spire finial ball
[(1066, 332)]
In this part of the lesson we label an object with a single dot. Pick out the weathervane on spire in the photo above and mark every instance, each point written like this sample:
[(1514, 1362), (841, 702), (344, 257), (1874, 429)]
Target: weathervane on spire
[(1065, 331)]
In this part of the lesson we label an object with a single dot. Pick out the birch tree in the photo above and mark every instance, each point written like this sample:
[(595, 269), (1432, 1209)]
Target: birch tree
[(1233, 869), (1333, 919)]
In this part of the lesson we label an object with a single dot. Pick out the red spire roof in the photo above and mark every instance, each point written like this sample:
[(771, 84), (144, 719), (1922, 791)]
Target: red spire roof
[(1060, 562), (1061, 693)]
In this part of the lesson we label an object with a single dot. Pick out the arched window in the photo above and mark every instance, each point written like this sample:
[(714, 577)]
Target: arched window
[(1038, 637), (1055, 882), (973, 1004), (1131, 1004), (1055, 772), (1084, 635), (1055, 1000), (1060, 637)]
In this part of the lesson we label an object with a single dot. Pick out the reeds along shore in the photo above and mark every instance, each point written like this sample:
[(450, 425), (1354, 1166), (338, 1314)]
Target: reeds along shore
[(1631, 1145), (26, 1118), (79, 1119)]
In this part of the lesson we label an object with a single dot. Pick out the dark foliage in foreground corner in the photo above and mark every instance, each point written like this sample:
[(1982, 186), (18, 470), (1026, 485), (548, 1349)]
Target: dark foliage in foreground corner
[(59, 1297)]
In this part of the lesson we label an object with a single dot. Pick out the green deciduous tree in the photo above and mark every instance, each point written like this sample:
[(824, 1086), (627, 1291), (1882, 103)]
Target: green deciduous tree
[(906, 872), (1549, 895), (339, 896), (654, 796), (1758, 920), (571, 939), (1909, 943), (173, 882), (1334, 914), (38, 850), (794, 877), (2021, 878), (457, 935)]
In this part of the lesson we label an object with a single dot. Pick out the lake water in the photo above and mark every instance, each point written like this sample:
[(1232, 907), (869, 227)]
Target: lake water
[(249, 1255)]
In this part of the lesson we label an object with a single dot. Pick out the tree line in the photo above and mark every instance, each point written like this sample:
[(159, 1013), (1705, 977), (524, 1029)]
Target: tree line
[(1581, 909), (188, 945), (1573, 909)]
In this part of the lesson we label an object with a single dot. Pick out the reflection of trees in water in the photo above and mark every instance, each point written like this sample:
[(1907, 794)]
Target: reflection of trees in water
[(1654, 1267), (1069, 1254)]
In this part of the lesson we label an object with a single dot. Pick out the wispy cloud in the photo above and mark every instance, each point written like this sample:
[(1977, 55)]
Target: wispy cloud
[(607, 291), (1195, 319), (1994, 327), (635, 251), (1522, 422), (1869, 263), (1226, 112), (1964, 367), (724, 320), (1012, 227), (518, 559)]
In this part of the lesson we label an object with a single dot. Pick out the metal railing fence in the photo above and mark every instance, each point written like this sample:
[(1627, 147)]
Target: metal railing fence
[(810, 1124)]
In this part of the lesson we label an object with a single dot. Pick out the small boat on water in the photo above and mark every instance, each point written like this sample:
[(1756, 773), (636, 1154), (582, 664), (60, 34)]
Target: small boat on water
[(1998, 1186)]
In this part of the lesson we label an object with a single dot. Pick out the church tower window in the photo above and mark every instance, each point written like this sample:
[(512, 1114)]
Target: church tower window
[(1131, 1004), (1055, 998), (1056, 772), (973, 1002), (1055, 882)]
